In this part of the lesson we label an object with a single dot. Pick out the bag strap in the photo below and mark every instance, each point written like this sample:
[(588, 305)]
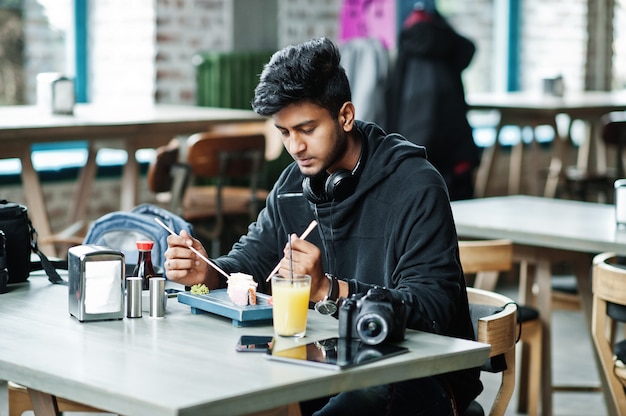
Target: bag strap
[(44, 263)]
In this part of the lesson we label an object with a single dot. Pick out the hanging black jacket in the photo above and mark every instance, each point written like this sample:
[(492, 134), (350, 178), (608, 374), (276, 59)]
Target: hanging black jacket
[(426, 98)]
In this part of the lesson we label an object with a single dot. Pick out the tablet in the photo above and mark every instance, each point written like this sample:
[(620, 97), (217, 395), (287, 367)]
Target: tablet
[(336, 353)]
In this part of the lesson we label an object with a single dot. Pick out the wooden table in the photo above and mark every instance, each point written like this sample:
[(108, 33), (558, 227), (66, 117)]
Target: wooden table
[(533, 109), (544, 232), (118, 126), (184, 364)]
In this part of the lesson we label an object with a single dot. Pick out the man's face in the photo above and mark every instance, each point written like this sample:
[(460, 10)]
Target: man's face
[(314, 139)]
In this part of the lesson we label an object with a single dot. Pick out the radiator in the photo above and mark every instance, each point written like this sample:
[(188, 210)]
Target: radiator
[(228, 79)]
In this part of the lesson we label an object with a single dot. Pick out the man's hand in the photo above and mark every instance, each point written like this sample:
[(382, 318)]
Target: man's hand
[(184, 266), (305, 258)]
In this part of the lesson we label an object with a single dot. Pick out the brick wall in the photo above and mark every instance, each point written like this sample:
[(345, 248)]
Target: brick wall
[(44, 46), (299, 20), (183, 28)]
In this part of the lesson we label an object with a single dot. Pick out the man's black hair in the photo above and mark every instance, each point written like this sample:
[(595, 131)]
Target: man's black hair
[(308, 72)]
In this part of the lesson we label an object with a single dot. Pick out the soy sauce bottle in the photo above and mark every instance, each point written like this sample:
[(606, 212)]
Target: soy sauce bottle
[(144, 267)]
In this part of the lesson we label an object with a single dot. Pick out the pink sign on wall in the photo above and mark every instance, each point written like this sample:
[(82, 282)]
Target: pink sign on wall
[(369, 18)]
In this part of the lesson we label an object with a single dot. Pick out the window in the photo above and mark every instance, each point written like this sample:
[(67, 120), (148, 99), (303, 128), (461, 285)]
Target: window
[(56, 31)]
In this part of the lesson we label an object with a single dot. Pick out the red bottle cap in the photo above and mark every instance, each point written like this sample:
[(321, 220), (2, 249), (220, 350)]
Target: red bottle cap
[(145, 245)]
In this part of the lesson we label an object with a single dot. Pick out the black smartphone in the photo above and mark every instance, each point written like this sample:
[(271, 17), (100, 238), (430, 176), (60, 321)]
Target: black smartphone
[(254, 343)]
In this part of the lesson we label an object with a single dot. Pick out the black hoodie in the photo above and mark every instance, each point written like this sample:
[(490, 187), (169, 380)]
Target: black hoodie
[(396, 230)]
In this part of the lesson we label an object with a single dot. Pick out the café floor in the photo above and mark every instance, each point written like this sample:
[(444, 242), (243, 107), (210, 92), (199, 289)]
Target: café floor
[(573, 363)]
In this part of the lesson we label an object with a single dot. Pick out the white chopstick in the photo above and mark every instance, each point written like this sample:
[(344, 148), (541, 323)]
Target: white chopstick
[(209, 262), (304, 235)]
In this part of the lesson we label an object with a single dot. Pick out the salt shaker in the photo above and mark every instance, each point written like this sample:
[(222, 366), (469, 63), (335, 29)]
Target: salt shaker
[(157, 297), (133, 297)]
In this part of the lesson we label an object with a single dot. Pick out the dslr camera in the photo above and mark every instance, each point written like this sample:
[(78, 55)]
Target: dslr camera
[(373, 318)]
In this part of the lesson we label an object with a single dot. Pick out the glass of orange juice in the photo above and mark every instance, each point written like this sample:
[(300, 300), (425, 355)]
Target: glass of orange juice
[(290, 300)]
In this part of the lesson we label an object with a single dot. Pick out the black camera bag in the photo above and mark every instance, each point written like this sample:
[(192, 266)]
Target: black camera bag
[(21, 241)]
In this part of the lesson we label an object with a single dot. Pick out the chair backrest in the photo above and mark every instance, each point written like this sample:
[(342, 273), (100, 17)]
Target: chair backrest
[(609, 306), (273, 143), (219, 155), (495, 319), (609, 279), (497, 329), (614, 133), (166, 174), (233, 154), (486, 259)]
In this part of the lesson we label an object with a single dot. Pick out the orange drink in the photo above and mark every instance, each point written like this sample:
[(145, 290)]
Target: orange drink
[(290, 300)]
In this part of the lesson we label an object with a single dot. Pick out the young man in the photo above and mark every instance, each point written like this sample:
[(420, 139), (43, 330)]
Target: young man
[(384, 219)]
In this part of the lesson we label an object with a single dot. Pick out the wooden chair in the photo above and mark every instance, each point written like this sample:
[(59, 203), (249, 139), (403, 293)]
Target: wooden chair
[(487, 259), (495, 320), (273, 142), (202, 187), (20, 402), (276, 157), (609, 309), (582, 184)]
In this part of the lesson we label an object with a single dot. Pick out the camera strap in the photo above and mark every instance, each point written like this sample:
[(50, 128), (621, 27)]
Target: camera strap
[(49, 266)]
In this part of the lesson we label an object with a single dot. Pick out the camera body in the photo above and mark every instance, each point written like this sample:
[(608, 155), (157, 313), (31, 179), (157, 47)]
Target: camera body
[(373, 318)]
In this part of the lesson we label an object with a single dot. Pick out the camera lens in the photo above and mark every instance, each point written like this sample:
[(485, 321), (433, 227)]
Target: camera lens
[(372, 328)]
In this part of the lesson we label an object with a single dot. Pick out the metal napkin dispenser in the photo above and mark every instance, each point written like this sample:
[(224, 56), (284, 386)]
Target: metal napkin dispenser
[(96, 283), (55, 93)]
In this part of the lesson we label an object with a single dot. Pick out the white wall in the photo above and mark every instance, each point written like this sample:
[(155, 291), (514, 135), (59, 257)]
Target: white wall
[(554, 37), (122, 49)]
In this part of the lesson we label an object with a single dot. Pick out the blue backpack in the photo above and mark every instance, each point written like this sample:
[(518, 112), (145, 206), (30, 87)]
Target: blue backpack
[(120, 230)]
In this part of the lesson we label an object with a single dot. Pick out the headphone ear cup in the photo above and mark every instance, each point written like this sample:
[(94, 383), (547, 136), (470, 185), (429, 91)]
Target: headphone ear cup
[(334, 187), (340, 185), (313, 189)]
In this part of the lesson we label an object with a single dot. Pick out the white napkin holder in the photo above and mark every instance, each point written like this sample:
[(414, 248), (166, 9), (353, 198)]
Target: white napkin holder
[(55, 93), (96, 283)]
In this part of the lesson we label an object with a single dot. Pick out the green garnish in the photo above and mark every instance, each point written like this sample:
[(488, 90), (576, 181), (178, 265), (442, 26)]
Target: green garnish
[(199, 289)]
